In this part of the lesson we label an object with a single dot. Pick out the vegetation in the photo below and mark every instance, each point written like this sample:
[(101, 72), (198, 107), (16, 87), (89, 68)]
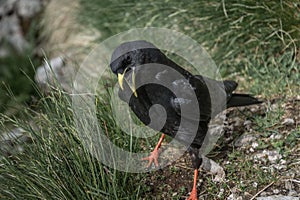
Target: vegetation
[(254, 42), (56, 165), (17, 69)]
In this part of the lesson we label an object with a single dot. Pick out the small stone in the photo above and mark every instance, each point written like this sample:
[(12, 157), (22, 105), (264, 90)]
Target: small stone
[(279, 166), (283, 162), (254, 184), (254, 109), (230, 197), (276, 191), (254, 145), (278, 197), (292, 193), (247, 124), (221, 192), (273, 156), (260, 157), (275, 136), (263, 194), (244, 140), (214, 168), (288, 121)]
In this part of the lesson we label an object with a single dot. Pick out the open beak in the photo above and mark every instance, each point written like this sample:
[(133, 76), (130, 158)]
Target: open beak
[(121, 78)]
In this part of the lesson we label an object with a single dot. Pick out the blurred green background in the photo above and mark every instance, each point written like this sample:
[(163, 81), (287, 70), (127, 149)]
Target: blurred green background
[(17, 71)]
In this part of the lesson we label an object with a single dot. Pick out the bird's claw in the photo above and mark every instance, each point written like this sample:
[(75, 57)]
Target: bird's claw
[(152, 158), (193, 195)]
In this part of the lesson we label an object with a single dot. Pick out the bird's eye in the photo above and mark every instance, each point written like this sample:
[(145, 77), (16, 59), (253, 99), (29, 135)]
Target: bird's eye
[(128, 58)]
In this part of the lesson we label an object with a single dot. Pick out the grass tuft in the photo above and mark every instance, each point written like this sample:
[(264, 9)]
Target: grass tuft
[(56, 165)]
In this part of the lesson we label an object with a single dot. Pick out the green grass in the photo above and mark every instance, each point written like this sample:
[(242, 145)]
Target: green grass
[(255, 43), (253, 39), (281, 71), (56, 165), (230, 30), (15, 85)]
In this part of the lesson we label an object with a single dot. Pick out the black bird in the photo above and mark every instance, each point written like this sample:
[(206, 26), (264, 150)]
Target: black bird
[(148, 77)]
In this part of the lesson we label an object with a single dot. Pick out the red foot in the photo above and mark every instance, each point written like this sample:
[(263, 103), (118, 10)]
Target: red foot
[(154, 154), (152, 158), (193, 195)]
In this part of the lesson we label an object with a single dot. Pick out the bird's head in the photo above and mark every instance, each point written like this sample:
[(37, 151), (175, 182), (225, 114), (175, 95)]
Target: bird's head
[(127, 57)]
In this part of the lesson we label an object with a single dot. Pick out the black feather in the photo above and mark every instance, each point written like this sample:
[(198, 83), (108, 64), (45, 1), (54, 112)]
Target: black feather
[(242, 100), (212, 96)]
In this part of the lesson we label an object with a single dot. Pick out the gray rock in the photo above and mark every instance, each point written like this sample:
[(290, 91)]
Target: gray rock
[(278, 197), (12, 13), (264, 194), (50, 74), (29, 8), (6, 6), (56, 73), (292, 193), (11, 142), (244, 140), (213, 168), (11, 32), (273, 156)]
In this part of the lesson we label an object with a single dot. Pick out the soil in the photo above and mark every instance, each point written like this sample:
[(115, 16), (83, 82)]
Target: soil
[(175, 181)]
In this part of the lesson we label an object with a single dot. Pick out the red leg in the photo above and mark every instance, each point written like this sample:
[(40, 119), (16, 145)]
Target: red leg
[(193, 195), (154, 154)]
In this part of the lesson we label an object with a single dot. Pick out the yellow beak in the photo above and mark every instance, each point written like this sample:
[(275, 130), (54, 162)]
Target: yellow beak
[(121, 78)]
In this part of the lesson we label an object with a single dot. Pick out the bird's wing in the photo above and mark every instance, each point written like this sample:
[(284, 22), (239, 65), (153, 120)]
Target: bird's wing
[(193, 101), (195, 98), (219, 92), (178, 94), (211, 97)]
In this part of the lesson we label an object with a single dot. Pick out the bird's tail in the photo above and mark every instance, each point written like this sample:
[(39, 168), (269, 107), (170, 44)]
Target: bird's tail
[(242, 100)]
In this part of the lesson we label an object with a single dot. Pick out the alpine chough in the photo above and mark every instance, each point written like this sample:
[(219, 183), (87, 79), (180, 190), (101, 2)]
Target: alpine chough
[(148, 77)]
